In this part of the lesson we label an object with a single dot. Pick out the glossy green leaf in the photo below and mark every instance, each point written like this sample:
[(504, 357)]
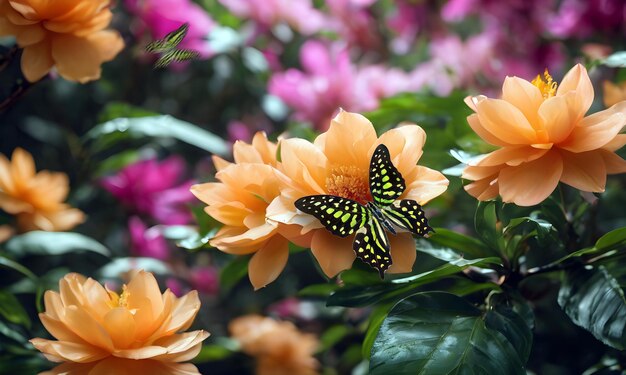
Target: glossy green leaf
[(470, 247), (594, 299), (11, 309), (332, 336), (505, 320), (111, 132), (364, 295), (318, 290), (486, 225), (53, 243), (233, 272), (440, 333), (376, 319), (8, 263)]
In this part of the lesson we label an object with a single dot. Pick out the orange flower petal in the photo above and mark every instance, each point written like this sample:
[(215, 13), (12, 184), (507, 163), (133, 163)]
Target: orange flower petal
[(181, 347), (514, 155), (403, 253), (334, 254), (505, 122), (267, 263), (349, 140), (474, 122), (556, 118), (577, 81), (595, 131), (484, 189), (524, 96), (613, 162), (405, 144), (69, 351), (585, 171), (305, 163), (426, 185), (530, 183), (120, 324)]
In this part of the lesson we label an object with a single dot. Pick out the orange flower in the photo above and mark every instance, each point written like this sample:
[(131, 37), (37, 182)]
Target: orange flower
[(35, 198), (239, 201), (613, 93), (338, 164), (279, 347), (544, 137), (93, 323), (122, 366), (68, 34)]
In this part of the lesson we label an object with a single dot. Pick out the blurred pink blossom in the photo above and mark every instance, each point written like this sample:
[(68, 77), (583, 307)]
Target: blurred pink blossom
[(150, 187), (147, 242), (581, 18), (406, 21), (160, 17), (205, 279), (175, 286), (329, 81), (293, 308), (354, 22), (299, 14)]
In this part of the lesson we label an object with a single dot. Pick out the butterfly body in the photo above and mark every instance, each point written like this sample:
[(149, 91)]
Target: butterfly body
[(370, 222)]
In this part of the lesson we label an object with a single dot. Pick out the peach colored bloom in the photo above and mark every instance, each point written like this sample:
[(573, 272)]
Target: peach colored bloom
[(69, 35), (6, 232), (123, 366), (239, 201), (36, 199), (338, 164), (280, 349), (544, 137), (613, 93), (92, 323)]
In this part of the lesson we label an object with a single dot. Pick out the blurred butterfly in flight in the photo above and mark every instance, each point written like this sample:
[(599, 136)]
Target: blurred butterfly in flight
[(343, 217), (167, 48)]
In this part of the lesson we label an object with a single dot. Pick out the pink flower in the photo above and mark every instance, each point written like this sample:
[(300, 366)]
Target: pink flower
[(329, 81), (354, 23), (163, 16), (299, 14), (406, 21), (147, 242), (205, 280), (148, 187)]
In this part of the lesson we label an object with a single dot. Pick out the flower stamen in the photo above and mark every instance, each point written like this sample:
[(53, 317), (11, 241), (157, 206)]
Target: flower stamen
[(545, 84), (349, 182)]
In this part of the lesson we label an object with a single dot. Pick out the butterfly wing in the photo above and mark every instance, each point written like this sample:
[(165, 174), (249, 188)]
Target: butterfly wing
[(177, 55), (341, 216), (407, 214), (157, 46), (386, 182), (371, 245), (175, 37)]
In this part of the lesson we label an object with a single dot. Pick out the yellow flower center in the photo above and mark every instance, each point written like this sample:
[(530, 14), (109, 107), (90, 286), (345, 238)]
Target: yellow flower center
[(545, 84), (118, 300), (349, 182)]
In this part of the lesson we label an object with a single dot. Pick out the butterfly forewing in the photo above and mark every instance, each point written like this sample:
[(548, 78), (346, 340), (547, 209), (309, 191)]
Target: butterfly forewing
[(407, 214), (386, 182), (341, 216), (371, 245), (175, 37), (157, 46)]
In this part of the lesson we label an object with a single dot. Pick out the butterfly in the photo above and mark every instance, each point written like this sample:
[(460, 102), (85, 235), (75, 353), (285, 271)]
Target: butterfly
[(167, 47), (343, 217)]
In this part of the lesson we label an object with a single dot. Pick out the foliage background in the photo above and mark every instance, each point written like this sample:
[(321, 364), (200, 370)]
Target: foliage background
[(57, 122)]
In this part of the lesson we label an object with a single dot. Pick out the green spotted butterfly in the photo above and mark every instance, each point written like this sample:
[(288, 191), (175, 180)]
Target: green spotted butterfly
[(167, 47), (343, 217)]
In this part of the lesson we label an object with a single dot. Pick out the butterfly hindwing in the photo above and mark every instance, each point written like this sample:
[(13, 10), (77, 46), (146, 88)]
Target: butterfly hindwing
[(157, 46), (407, 214), (341, 216), (386, 182), (371, 245), (177, 55)]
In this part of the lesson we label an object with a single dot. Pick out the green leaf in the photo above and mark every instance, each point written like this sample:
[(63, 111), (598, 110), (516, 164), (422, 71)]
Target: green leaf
[(11, 309), (613, 240), (233, 272), (119, 266), (616, 60), (318, 290), (593, 299), (111, 132), (377, 317), (364, 295), (6, 262), (53, 243), (470, 247), (332, 336), (440, 333), (486, 224), (505, 320)]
